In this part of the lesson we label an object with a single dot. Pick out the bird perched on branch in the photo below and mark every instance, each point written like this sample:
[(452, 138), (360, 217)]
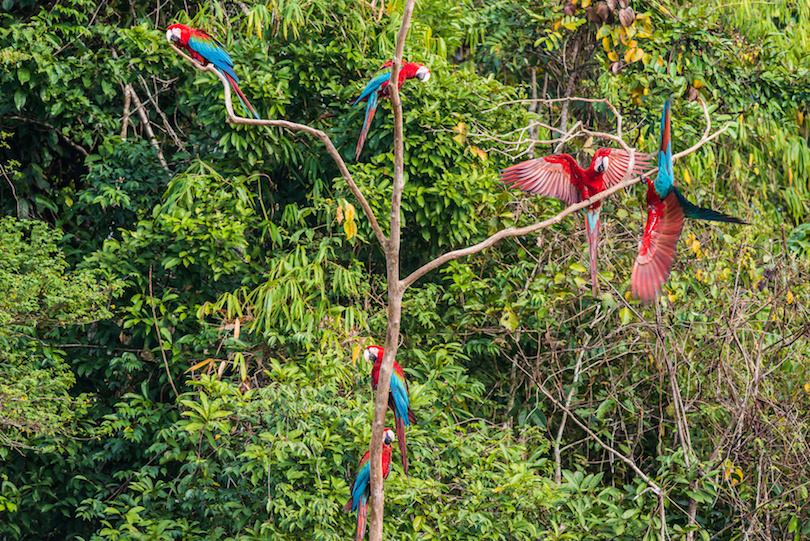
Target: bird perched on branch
[(360, 491), (666, 210), (398, 398), (560, 176), (378, 88), (206, 50)]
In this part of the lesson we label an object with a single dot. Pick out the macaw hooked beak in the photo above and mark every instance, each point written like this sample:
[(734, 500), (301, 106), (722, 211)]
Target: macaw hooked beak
[(601, 164), (172, 36), (423, 74)]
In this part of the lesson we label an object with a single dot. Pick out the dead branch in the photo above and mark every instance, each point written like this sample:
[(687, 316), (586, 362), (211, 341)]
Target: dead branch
[(146, 125)]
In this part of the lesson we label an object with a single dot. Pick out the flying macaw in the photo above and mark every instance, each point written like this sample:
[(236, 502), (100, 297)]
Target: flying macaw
[(378, 88), (205, 49), (358, 501), (398, 398), (666, 209), (560, 176)]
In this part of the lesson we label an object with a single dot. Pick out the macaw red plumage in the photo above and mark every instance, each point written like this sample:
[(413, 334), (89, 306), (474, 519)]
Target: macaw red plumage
[(399, 400), (378, 88), (206, 50), (560, 176), (360, 491), (666, 210)]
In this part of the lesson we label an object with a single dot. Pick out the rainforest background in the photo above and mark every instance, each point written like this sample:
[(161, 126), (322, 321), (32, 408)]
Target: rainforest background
[(182, 299)]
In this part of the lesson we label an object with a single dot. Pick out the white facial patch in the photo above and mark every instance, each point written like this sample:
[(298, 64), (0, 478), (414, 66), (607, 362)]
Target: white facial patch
[(423, 74)]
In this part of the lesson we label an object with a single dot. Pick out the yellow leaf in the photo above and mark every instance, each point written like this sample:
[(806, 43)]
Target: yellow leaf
[(461, 127), (697, 84), (638, 54), (790, 176), (807, 388), (340, 214), (626, 315), (660, 61), (586, 3), (612, 55), (686, 176), (750, 160), (790, 297), (356, 352), (350, 212), (628, 55), (200, 365), (628, 295), (604, 31), (606, 43), (350, 228)]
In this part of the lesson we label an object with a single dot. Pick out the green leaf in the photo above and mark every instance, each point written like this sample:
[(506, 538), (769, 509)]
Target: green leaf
[(19, 99), (626, 315), (23, 75)]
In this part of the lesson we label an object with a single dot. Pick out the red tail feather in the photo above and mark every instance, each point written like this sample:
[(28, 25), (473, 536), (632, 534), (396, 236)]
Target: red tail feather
[(403, 445), (362, 513), (245, 103)]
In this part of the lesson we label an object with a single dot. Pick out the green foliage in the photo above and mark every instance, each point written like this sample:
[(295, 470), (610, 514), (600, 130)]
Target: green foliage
[(239, 282)]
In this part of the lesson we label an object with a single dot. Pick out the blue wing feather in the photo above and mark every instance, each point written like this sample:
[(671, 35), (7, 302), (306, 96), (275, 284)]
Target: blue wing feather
[(374, 85), (214, 52), (359, 490), (401, 401)]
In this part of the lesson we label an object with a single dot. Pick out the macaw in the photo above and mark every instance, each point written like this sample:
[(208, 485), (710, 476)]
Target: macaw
[(560, 176), (666, 210), (398, 398), (205, 49), (378, 88), (360, 491)]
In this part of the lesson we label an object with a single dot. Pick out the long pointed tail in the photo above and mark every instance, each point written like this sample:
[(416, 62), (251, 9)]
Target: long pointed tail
[(690, 210), (371, 108), (592, 225), (249, 110), (362, 515), (403, 445)]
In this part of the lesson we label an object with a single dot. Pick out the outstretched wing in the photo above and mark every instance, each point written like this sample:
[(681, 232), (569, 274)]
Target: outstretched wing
[(618, 162), (549, 176), (656, 252)]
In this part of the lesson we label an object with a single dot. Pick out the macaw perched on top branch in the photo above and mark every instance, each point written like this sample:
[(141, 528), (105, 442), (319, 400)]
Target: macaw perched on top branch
[(360, 491), (398, 398), (206, 50), (666, 209), (560, 176), (378, 88)]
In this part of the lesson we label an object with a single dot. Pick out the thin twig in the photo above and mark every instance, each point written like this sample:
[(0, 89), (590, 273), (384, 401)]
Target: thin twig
[(159, 339)]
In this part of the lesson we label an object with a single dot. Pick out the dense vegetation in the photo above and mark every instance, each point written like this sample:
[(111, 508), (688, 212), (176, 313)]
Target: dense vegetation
[(182, 300)]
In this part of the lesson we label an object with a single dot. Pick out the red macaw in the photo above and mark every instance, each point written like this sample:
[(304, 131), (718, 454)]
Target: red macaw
[(205, 49), (560, 176), (666, 209), (378, 88), (360, 491), (398, 398)]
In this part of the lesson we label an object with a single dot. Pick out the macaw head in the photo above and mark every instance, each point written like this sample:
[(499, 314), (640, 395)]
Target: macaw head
[(389, 437), (373, 354), (601, 160), (174, 34), (423, 73)]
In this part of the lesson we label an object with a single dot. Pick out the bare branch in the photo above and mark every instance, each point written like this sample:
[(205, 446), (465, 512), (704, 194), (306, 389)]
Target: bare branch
[(330, 146), (147, 126)]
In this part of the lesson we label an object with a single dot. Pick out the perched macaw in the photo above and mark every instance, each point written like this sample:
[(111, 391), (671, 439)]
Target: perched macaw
[(398, 398), (205, 49), (361, 490), (560, 176), (378, 88), (666, 209)]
